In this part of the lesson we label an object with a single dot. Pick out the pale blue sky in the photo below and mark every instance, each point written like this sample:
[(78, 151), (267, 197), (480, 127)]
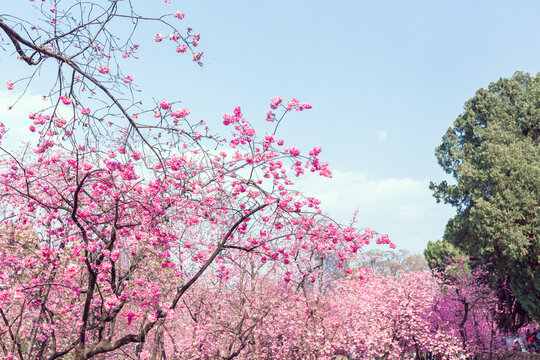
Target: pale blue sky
[(385, 78)]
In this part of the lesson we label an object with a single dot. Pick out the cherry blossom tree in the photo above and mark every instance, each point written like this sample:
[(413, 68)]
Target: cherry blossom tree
[(120, 220), (363, 316), (389, 317), (468, 308), (122, 243)]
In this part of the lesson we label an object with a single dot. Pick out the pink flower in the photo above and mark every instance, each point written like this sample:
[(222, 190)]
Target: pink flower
[(85, 111), (164, 104), (103, 69), (59, 122), (32, 128), (10, 85), (181, 49), (157, 113), (270, 116), (179, 15), (136, 155), (294, 151), (197, 57), (316, 151), (65, 100), (275, 102), (52, 9), (158, 37), (115, 255), (180, 113), (128, 79), (293, 104), (130, 316)]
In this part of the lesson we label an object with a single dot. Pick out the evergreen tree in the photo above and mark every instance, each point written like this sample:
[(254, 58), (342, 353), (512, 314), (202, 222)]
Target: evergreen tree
[(492, 152)]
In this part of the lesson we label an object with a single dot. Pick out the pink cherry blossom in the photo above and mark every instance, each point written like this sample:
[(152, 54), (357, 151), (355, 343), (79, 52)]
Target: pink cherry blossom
[(103, 69), (275, 102), (197, 57), (165, 104), (66, 100), (180, 113), (270, 116)]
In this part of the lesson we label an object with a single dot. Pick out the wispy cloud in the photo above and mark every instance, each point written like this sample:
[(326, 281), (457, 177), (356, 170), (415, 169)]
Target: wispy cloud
[(382, 134), (401, 207)]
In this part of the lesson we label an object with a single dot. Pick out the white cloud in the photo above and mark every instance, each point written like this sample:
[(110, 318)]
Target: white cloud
[(401, 207), (382, 134), (348, 190), (411, 211)]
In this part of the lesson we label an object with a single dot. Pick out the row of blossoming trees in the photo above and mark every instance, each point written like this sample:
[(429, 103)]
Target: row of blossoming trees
[(136, 233)]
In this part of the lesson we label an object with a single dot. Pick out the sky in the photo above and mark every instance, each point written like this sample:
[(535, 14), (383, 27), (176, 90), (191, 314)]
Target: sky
[(386, 79)]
